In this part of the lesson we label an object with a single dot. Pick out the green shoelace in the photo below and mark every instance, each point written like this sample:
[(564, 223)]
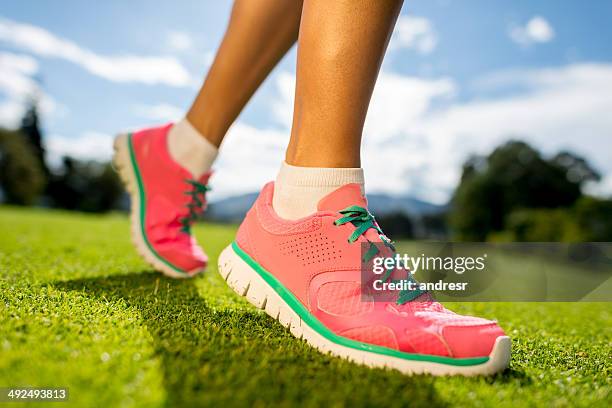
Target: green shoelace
[(363, 221), (195, 205)]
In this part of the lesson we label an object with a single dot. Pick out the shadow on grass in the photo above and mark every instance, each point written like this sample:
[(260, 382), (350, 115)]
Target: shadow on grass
[(510, 375), (240, 356)]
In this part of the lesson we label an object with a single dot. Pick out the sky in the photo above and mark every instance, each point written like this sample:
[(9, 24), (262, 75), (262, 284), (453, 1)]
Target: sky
[(459, 78)]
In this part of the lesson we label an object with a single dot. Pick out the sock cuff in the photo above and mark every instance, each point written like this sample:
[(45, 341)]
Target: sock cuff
[(187, 131), (318, 176), (190, 149)]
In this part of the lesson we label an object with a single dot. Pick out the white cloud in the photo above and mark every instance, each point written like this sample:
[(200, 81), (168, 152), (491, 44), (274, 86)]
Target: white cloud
[(21, 63), (179, 41), (399, 99), (11, 112), (123, 68), (412, 144), (536, 30), (160, 112), (249, 158), (90, 145), (18, 86), (15, 74), (602, 188), (416, 33), (282, 107), (561, 108)]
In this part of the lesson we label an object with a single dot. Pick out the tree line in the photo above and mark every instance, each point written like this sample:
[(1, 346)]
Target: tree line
[(27, 179), (512, 194)]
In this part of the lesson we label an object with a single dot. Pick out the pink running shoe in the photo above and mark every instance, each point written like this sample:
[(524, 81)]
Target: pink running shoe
[(165, 198), (307, 275)]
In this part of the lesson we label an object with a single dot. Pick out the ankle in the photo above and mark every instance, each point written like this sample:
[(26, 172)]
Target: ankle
[(322, 157), (213, 131)]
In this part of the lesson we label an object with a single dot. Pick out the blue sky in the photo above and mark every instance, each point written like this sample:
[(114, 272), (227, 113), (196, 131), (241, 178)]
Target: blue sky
[(460, 77)]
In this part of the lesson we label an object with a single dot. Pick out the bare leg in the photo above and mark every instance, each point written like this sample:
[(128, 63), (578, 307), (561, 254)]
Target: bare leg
[(341, 46), (259, 33)]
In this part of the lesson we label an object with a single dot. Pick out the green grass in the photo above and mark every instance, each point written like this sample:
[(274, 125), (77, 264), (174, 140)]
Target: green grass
[(79, 309)]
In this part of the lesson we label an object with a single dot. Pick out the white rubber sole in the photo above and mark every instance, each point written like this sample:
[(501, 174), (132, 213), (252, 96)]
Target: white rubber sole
[(124, 166), (247, 282)]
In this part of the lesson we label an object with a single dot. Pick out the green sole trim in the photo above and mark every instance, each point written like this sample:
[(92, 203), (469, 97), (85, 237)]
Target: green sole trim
[(142, 209), (316, 325)]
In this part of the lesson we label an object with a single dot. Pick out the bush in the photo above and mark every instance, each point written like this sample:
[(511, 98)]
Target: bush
[(85, 186), (589, 220), (396, 225), (542, 225), (594, 218), (21, 175)]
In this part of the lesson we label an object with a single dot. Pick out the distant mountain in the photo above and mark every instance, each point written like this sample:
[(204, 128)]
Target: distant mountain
[(383, 204), (233, 209)]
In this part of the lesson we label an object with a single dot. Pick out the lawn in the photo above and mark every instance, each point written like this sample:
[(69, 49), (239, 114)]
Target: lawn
[(79, 309)]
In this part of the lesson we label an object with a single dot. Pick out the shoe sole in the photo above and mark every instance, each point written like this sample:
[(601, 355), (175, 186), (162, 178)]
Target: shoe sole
[(126, 166), (263, 290)]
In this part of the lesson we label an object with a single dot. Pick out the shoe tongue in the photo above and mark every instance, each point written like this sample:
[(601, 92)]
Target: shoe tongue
[(345, 196)]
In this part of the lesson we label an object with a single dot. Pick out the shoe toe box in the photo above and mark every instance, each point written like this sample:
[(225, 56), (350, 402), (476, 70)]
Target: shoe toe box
[(472, 341)]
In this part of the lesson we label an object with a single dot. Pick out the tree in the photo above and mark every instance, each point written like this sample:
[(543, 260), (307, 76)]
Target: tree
[(514, 176), (594, 217), (396, 225), (435, 225), (21, 176), (30, 129), (576, 168), (85, 186)]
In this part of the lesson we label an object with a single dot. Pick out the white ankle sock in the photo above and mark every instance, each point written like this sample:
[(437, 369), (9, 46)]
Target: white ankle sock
[(297, 190), (190, 149)]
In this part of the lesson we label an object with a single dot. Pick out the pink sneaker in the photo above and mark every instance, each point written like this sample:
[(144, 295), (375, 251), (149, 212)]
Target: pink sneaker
[(307, 275), (166, 199)]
